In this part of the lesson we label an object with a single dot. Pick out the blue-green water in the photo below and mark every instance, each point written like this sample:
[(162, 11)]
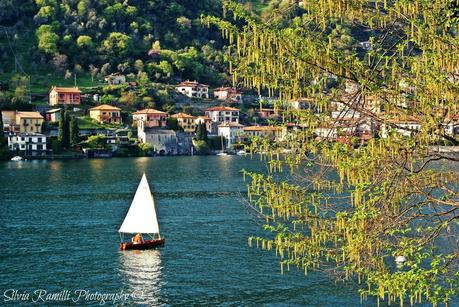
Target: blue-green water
[(59, 222)]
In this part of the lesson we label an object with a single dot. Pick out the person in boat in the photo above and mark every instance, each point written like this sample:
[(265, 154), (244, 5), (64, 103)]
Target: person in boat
[(137, 239)]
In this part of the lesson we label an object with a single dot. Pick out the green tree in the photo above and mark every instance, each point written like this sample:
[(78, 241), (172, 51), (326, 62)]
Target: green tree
[(117, 44), (173, 123), (3, 141), (128, 98), (201, 132), (352, 210), (84, 41), (96, 141), (63, 135), (74, 131), (47, 42)]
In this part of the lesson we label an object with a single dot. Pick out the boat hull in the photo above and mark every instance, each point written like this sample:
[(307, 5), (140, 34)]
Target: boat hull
[(147, 244)]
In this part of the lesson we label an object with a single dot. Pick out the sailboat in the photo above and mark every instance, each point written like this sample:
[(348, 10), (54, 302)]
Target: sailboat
[(141, 219)]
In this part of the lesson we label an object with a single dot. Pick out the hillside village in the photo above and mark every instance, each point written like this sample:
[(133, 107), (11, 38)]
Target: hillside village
[(77, 124)]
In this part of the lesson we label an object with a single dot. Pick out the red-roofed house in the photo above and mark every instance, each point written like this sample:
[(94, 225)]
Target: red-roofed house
[(106, 114), (64, 95), (220, 115), (151, 118), (193, 89), (270, 132), (186, 122)]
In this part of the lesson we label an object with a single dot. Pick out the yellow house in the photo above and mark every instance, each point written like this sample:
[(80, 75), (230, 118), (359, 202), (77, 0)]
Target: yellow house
[(106, 114), (22, 122), (186, 122)]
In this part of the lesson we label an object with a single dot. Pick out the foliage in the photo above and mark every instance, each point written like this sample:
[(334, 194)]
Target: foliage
[(145, 149), (201, 146), (63, 133), (166, 34), (74, 131), (3, 142), (201, 132), (173, 123), (96, 141), (351, 211)]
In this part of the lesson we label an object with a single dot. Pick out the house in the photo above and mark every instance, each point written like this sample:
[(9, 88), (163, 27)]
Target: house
[(230, 131), (152, 118), (33, 144), (265, 113), (53, 115), (204, 120), (228, 94), (222, 114), (115, 79), (193, 89), (106, 114), (273, 133), (22, 122), (406, 127), (186, 122), (163, 141), (64, 95), (9, 121)]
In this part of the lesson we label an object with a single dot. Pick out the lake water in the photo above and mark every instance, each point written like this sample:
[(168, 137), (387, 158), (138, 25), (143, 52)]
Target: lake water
[(59, 222)]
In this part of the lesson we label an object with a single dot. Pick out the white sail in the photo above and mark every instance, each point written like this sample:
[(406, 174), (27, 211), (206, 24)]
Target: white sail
[(141, 217)]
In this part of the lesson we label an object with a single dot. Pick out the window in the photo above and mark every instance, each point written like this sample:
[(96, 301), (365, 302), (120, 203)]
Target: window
[(40, 147)]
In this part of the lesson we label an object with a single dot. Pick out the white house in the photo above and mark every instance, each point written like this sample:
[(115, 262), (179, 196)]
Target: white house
[(30, 143), (230, 131), (405, 127), (115, 79), (222, 114), (193, 89)]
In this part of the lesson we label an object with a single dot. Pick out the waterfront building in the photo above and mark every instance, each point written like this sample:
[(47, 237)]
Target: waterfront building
[(193, 89), (273, 133), (22, 122), (230, 131), (33, 144), (106, 114), (220, 115), (228, 94), (152, 118), (53, 115), (64, 96), (186, 122), (163, 141)]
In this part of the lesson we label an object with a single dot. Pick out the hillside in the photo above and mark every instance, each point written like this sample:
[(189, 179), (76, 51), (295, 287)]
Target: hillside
[(163, 40)]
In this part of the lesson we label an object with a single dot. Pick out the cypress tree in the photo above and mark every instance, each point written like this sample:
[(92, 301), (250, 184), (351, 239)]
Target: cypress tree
[(201, 132), (61, 132), (67, 129), (74, 131), (3, 141)]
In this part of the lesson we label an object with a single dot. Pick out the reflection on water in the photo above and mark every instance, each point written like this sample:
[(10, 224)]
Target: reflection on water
[(141, 272)]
